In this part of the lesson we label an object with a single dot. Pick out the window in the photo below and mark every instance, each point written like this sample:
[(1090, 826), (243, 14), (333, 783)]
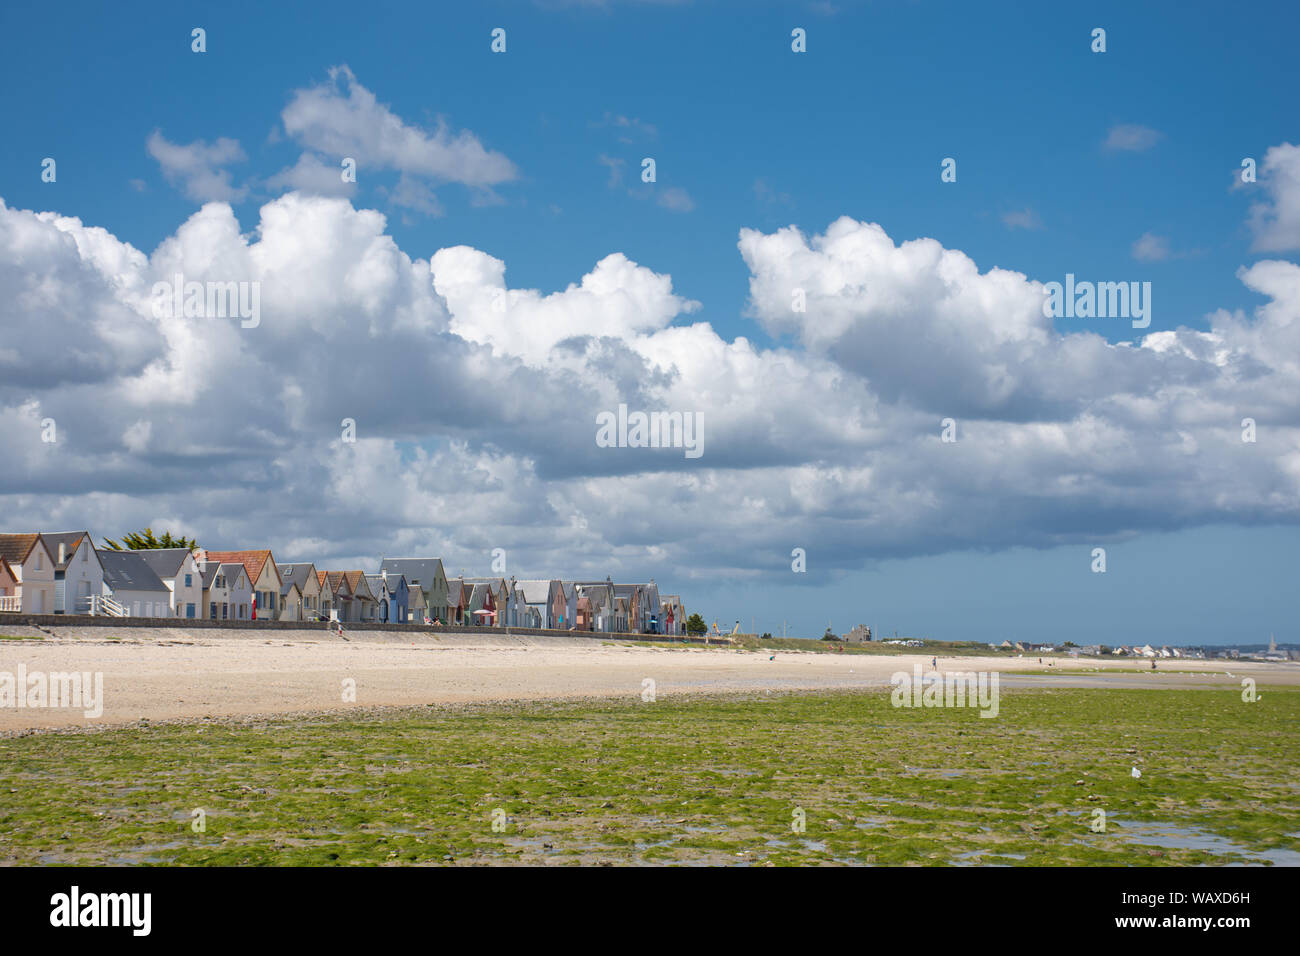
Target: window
[(189, 610), (212, 610), (224, 608), (189, 580), (38, 562), (85, 555)]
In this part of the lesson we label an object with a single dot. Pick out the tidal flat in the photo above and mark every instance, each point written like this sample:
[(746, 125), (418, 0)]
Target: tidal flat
[(762, 779)]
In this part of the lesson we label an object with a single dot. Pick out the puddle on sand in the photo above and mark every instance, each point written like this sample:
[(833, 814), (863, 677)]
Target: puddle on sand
[(1173, 837), (984, 858)]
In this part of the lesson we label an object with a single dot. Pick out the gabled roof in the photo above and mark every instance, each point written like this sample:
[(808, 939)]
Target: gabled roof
[(129, 571), (600, 592), (376, 583), (71, 540), (4, 566), (232, 570), (357, 582), (166, 562), (419, 572), (16, 547), (535, 592), (254, 561), (296, 574), (208, 573), (496, 584), (337, 582)]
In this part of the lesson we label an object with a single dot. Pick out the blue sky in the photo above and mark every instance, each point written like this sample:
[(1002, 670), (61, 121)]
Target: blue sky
[(1066, 159)]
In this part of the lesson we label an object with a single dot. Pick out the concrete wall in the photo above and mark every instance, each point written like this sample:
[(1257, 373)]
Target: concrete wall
[(86, 620)]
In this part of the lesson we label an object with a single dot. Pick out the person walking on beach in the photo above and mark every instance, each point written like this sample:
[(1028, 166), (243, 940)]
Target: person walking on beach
[(934, 662)]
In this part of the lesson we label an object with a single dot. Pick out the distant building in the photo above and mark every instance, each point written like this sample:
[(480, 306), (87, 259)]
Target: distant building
[(859, 635)]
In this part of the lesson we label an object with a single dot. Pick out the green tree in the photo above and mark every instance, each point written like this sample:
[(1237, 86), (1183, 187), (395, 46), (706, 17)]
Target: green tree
[(695, 625), (145, 541)]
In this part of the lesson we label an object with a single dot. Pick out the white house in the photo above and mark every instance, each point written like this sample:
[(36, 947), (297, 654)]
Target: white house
[(132, 583), (178, 570), (227, 592), (32, 565), (78, 573)]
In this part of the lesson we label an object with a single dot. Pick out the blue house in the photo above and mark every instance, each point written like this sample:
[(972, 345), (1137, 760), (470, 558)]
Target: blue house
[(392, 594)]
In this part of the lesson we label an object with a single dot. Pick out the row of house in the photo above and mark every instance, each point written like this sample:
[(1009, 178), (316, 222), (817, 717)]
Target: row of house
[(64, 573)]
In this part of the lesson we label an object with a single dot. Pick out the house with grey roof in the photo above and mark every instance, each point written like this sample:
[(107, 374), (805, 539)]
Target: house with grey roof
[(392, 595), (300, 591), (78, 574), (600, 598), (178, 570), (131, 582), (227, 591), (428, 576), (504, 602), (546, 600)]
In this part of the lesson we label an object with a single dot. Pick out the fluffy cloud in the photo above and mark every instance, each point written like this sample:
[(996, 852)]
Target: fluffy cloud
[(341, 118), (312, 175), (475, 403), (1276, 222), (197, 169)]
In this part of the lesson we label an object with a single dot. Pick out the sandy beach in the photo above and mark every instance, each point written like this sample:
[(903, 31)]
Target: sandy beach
[(179, 674)]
